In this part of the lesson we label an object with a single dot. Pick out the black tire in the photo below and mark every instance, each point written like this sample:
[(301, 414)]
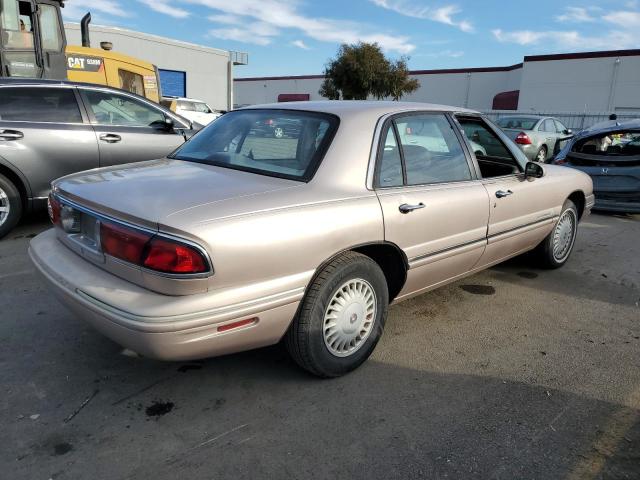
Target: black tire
[(546, 254), (539, 157), (305, 339), (9, 198)]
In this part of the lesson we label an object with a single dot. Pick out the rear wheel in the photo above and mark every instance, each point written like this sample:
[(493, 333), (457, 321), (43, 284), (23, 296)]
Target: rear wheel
[(278, 132), (555, 250), (341, 317), (10, 206), (541, 156)]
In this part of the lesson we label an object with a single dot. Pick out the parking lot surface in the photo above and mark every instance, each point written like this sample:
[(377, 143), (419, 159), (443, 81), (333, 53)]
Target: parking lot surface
[(512, 373)]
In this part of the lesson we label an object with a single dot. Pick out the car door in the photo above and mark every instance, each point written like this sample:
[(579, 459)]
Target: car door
[(522, 210), (434, 207), (44, 134), (550, 135), (129, 128)]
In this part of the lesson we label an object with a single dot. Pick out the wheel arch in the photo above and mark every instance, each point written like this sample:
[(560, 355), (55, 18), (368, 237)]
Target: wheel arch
[(390, 258), (579, 199), (20, 182)]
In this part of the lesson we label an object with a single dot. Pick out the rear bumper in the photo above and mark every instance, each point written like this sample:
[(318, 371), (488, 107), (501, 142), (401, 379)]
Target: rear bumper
[(623, 204), (163, 338)]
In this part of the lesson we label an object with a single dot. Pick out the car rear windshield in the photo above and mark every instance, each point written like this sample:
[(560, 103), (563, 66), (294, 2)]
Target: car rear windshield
[(517, 122), (280, 143)]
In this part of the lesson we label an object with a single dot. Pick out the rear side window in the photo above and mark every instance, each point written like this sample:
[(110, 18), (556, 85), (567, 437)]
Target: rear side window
[(426, 148), (281, 143), (35, 104)]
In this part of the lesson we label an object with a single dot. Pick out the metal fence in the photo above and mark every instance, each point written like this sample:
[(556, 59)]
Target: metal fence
[(574, 120)]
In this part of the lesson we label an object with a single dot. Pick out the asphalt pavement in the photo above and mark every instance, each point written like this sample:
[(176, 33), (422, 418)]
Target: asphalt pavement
[(516, 372)]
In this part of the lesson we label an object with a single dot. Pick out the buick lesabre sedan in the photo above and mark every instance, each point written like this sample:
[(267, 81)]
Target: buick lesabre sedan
[(237, 240)]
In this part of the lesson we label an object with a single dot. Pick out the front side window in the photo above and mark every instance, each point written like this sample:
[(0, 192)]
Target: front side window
[(36, 104), (281, 143), (113, 109), (493, 156), (560, 127), (201, 107)]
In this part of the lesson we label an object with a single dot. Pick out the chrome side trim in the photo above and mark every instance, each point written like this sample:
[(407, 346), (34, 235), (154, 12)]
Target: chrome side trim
[(419, 258), (521, 227), (107, 218)]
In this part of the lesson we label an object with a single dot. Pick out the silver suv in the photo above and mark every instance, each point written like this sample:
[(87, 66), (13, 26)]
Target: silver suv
[(49, 129)]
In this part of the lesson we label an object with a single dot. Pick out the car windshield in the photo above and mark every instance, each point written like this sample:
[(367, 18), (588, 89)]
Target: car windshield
[(517, 122), (280, 143)]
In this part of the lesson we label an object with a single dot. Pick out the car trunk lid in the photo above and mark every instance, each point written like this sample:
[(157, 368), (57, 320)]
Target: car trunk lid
[(146, 193)]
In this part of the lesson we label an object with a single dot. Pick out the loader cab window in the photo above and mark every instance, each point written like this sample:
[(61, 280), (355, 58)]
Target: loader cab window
[(131, 82), (50, 29), (17, 39), (494, 157)]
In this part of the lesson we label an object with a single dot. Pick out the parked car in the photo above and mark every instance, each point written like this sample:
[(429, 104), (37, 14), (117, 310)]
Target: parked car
[(50, 128), (536, 136), (229, 245), (195, 110), (610, 154)]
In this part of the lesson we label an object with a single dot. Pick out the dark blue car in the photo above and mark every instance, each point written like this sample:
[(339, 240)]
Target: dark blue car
[(610, 153)]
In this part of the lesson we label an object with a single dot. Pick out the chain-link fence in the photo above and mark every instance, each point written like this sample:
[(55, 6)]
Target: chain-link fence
[(574, 120)]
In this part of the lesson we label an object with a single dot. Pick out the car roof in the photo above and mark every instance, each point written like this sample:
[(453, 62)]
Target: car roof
[(531, 117), (44, 81), (611, 126), (344, 108)]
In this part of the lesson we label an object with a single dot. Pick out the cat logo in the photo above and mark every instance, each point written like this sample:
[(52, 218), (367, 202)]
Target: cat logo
[(84, 63)]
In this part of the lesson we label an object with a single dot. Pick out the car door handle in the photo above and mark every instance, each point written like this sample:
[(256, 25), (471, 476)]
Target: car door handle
[(110, 137), (406, 208), (11, 135), (502, 193)]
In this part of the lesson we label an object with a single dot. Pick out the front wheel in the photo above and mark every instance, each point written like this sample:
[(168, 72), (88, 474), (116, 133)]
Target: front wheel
[(341, 317), (554, 250), (10, 206)]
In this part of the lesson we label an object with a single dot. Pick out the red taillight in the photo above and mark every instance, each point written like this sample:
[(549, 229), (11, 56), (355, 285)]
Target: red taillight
[(523, 139), (172, 257), (123, 242), (53, 207), (269, 121)]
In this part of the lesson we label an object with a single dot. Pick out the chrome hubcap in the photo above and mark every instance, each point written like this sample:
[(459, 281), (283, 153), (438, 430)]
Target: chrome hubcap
[(349, 318), (564, 235), (278, 132), (5, 207), (541, 155)]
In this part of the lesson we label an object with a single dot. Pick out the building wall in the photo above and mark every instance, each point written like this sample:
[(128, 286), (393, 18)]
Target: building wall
[(584, 84), (591, 81), (206, 68)]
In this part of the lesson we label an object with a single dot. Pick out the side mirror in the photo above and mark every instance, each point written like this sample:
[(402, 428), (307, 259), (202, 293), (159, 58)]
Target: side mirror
[(568, 131), (167, 125), (533, 170)]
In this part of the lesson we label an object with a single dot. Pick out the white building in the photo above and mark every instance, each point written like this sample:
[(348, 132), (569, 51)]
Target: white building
[(186, 69), (606, 81)]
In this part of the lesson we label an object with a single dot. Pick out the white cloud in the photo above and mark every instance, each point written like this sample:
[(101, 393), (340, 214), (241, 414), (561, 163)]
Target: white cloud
[(76, 9), (624, 19), (300, 44), (570, 40), (443, 14), (442, 53), (577, 15), (616, 30), (282, 15), (239, 30), (162, 6)]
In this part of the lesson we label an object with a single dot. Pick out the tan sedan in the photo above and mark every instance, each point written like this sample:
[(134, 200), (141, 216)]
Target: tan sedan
[(240, 239)]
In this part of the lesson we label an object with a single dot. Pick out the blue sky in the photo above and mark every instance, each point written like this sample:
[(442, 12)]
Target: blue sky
[(297, 37)]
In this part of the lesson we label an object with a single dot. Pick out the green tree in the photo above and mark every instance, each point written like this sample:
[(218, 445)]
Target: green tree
[(361, 70)]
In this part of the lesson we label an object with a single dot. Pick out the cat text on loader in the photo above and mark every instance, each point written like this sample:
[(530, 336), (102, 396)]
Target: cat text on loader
[(105, 67)]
